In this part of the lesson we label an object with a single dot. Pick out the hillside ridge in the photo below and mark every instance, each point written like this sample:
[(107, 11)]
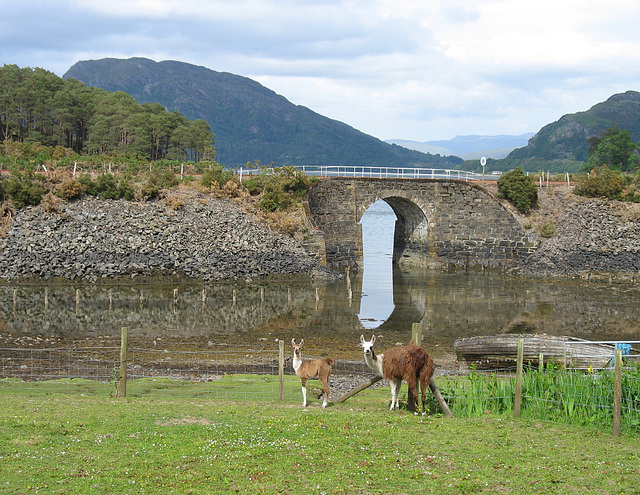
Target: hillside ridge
[(250, 122)]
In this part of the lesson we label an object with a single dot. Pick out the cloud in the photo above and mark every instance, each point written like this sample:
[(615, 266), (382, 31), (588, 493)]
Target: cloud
[(392, 68)]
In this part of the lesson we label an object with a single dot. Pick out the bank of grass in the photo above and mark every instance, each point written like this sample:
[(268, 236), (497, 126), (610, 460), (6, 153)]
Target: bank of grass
[(76, 444)]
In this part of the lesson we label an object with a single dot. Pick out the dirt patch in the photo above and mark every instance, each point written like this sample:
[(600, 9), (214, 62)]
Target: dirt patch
[(187, 420)]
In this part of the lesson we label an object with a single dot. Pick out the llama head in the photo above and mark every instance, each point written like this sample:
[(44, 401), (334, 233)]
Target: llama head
[(367, 346), (297, 347)]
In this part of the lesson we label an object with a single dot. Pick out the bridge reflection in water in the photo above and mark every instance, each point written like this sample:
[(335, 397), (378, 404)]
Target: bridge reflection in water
[(376, 304), (388, 298)]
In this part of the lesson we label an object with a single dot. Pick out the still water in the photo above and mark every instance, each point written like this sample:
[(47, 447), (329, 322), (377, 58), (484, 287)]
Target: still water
[(382, 300)]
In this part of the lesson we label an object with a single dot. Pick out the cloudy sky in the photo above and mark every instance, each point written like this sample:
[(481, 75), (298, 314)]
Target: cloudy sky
[(409, 69)]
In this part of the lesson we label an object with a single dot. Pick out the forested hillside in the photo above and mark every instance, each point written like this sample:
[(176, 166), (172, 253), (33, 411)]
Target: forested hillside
[(36, 106), (563, 146), (250, 121)]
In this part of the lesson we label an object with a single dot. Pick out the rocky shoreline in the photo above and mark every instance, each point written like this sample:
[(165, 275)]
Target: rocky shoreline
[(200, 237), (197, 238), (594, 238)]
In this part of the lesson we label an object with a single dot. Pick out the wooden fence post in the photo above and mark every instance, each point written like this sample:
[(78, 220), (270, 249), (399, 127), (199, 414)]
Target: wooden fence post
[(617, 393), (416, 337), (124, 337), (416, 333), (518, 394), (281, 370)]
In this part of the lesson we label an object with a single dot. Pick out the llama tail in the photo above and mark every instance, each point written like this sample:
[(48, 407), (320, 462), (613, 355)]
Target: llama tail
[(330, 361)]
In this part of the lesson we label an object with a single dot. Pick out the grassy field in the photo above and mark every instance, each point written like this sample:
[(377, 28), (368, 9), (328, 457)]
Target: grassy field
[(70, 443)]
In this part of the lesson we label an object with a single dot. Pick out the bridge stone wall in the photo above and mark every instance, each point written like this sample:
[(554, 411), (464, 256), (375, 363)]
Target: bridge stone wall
[(439, 222)]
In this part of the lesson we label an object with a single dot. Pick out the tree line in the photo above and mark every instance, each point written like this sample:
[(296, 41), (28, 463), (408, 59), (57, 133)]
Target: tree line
[(36, 106)]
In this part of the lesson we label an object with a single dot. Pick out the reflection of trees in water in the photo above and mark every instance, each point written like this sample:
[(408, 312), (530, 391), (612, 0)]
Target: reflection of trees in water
[(453, 305), (70, 312), (450, 305)]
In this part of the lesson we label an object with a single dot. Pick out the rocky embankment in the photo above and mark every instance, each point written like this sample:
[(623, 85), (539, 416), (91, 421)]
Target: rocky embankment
[(206, 238), (593, 237), (198, 237)]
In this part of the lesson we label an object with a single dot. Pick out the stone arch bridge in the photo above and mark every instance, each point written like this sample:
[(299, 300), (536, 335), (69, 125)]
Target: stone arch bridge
[(439, 223)]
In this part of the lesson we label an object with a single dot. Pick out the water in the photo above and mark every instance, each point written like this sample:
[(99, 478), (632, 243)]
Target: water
[(384, 300), (377, 279)]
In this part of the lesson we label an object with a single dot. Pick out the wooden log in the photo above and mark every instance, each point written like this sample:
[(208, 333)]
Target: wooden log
[(432, 386), (360, 388), (441, 402)]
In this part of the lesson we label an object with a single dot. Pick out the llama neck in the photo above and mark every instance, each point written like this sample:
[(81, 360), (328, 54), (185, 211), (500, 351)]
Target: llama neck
[(297, 361), (374, 362)]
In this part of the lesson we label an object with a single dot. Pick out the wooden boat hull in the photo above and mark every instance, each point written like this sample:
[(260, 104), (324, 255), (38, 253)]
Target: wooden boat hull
[(492, 352)]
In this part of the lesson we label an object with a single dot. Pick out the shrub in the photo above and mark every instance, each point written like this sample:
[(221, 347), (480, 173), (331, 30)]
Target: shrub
[(281, 187), (547, 229), (51, 203), (216, 173), (26, 188), (518, 189), (70, 189), (87, 184), (107, 186), (601, 182)]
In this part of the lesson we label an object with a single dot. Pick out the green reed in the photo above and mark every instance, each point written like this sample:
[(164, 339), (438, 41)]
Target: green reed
[(580, 398)]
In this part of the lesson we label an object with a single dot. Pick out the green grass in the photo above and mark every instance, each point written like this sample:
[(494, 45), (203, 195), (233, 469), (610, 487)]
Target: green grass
[(70, 443)]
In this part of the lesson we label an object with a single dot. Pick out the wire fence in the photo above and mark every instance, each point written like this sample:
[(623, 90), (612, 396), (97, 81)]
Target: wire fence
[(161, 372), (549, 392)]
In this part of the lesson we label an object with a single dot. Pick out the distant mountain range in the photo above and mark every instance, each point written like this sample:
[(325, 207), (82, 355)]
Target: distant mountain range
[(250, 121), (469, 147)]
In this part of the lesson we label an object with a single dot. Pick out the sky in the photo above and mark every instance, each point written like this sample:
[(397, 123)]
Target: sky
[(418, 70)]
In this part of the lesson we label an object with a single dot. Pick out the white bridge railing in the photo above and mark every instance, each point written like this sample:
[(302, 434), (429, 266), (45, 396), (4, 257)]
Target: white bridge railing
[(378, 172)]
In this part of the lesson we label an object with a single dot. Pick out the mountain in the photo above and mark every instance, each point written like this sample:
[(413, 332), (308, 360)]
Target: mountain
[(469, 147), (250, 121), (566, 139)]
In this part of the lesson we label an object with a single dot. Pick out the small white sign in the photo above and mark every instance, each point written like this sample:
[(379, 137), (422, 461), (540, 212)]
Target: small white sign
[(483, 161)]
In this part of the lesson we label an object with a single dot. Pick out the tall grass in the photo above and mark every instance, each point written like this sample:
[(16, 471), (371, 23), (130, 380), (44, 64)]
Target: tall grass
[(553, 394)]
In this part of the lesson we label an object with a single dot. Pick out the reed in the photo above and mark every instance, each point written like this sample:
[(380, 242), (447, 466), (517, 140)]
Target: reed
[(552, 394)]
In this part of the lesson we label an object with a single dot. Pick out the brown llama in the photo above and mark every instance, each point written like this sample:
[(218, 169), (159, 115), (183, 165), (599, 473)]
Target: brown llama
[(409, 363), (311, 369)]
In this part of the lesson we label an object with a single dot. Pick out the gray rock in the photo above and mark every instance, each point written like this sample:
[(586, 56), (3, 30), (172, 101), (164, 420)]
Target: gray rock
[(207, 238)]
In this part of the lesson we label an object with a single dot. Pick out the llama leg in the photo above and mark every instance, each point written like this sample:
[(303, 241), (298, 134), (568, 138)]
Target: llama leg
[(411, 385), (414, 394), (326, 393), (304, 392), (395, 388)]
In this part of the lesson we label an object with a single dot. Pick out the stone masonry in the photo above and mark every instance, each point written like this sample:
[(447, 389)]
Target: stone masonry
[(439, 222)]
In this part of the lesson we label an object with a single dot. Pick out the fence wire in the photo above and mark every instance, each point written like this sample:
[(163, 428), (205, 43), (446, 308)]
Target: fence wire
[(556, 394), (160, 372)]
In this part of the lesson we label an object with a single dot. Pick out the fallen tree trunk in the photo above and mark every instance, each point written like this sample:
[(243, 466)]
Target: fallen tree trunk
[(441, 402), (360, 388), (434, 389)]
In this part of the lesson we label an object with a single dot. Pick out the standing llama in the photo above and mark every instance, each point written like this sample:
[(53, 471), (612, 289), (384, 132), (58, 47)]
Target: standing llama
[(409, 363), (311, 369)]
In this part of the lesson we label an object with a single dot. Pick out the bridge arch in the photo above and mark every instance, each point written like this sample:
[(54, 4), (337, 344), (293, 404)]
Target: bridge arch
[(411, 227), (439, 222)]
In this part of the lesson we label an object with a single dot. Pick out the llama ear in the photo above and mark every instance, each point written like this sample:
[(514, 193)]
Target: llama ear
[(362, 339), (293, 341), (373, 339), (301, 342)]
